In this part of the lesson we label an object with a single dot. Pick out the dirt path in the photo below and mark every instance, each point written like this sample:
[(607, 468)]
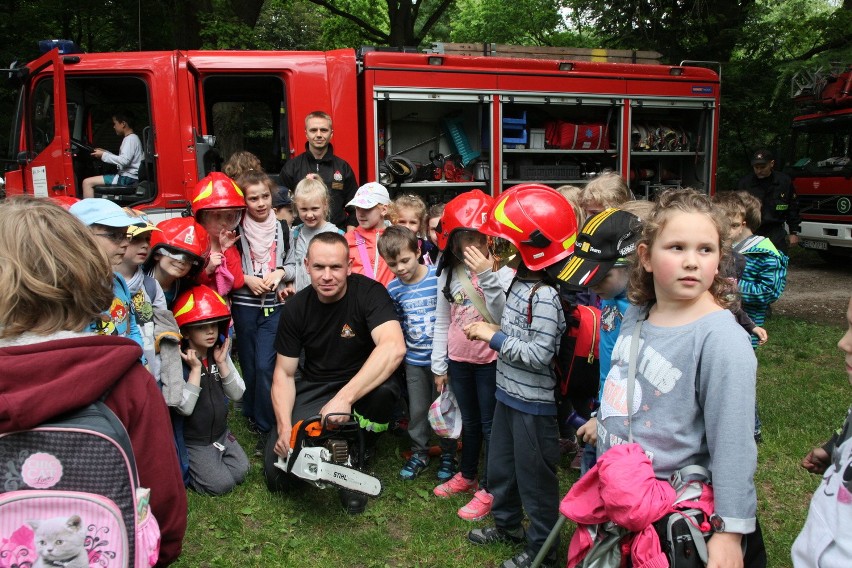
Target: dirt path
[(817, 291)]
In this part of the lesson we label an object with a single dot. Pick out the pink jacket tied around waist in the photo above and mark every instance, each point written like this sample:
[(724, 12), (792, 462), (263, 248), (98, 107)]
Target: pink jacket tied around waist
[(622, 488)]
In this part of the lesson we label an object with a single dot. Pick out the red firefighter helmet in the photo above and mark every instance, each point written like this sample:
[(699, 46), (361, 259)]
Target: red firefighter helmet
[(183, 234), (200, 304), (538, 220), (217, 191), (465, 211)]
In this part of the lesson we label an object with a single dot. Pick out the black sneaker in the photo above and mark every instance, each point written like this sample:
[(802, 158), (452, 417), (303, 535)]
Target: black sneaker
[(492, 535), (525, 560), (353, 502)]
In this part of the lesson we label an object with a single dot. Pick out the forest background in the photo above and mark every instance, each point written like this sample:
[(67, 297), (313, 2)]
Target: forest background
[(760, 44)]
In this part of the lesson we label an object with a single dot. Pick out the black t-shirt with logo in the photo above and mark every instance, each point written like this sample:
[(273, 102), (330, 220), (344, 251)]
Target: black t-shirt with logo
[(335, 337)]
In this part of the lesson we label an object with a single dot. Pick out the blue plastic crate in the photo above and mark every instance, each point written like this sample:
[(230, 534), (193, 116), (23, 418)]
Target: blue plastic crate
[(515, 136), (515, 123)]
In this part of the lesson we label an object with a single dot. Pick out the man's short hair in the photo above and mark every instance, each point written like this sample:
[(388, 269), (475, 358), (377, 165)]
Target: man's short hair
[(328, 238), (396, 240), (319, 114), (752, 207)]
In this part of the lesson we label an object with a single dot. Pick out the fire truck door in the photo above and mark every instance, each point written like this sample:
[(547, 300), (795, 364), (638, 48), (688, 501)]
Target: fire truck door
[(45, 144)]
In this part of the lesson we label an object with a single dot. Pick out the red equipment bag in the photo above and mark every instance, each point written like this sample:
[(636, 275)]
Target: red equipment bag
[(573, 136)]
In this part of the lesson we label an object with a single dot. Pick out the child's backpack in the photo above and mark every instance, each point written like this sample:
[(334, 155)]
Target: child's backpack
[(576, 365), (70, 495)]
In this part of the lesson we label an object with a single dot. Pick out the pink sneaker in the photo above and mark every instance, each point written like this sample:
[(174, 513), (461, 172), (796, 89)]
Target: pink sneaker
[(478, 508), (456, 484)]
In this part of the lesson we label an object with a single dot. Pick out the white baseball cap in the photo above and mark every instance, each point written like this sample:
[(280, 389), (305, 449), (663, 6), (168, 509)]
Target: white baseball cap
[(369, 195)]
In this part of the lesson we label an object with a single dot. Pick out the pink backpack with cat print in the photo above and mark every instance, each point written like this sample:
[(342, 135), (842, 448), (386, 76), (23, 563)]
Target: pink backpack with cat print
[(70, 496)]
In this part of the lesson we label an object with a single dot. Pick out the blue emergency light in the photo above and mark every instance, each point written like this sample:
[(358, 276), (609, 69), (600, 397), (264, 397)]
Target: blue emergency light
[(65, 46)]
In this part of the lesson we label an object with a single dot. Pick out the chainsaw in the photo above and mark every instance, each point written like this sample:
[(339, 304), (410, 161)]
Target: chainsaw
[(319, 454)]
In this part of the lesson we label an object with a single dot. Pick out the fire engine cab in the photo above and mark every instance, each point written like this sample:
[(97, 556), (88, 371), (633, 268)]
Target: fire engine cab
[(436, 123), (821, 159)]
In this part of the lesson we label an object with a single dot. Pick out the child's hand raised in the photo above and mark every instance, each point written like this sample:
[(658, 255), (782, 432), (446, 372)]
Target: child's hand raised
[(220, 354), (476, 261), (190, 357), (227, 239)]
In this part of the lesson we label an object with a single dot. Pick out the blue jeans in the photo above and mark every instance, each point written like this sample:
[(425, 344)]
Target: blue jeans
[(474, 386), (256, 329)]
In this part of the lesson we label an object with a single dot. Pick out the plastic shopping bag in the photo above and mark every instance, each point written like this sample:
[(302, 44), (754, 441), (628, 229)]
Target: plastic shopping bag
[(445, 416)]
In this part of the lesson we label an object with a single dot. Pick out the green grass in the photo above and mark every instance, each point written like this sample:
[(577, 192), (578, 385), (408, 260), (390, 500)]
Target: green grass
[(802, 392)]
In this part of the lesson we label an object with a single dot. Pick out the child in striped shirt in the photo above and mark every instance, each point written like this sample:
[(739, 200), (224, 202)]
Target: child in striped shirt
[(414, 292)]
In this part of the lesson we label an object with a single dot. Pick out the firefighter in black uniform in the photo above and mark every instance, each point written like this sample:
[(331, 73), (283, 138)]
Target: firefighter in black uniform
[(778, 198), (318, 158)]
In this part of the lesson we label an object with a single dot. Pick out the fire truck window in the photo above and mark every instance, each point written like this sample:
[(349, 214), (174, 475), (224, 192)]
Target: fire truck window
[(243, 112), (92, 101), (824, 147), (42, 115)]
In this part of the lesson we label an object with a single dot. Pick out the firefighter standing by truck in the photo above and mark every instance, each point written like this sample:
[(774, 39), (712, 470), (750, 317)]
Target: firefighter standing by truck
[(778, 198), (319, 158)]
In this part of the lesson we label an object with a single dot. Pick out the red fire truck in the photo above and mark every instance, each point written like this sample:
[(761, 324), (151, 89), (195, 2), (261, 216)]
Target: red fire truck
[(503, 120), (821, 159)]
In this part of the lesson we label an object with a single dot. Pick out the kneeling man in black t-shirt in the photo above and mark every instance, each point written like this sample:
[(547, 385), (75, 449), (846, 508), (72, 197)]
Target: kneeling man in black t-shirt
[(352, 341)]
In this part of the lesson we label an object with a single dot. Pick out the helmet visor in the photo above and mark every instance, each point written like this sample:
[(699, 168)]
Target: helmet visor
[(180, 256), (504, 252), (216, 219)]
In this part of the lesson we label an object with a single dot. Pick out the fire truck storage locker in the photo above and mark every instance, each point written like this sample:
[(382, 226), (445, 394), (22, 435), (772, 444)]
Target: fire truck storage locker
[(671, 142)]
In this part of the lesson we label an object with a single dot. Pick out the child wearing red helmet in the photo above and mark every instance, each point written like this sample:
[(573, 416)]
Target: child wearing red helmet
[(218, 204), (178, 252), (522, 463), (212, 460), (470, 290)]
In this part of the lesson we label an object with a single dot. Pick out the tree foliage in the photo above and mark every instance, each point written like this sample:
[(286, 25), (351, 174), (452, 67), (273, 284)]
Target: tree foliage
[(758, 44), (396, 23)]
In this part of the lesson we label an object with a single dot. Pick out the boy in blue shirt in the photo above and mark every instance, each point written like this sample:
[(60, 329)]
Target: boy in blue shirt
[(414, 292), (599, 263)]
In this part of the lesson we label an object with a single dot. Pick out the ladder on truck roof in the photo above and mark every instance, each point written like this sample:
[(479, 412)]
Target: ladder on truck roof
[(807, 84), (547, 52)]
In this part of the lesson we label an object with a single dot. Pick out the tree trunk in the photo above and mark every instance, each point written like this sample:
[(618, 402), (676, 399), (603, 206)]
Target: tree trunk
[(401, 23)]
